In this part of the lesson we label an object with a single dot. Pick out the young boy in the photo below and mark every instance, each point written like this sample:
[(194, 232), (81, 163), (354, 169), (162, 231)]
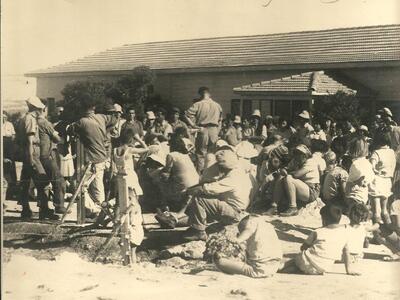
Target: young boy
[(334, 184), (324, 246), (263, 250)]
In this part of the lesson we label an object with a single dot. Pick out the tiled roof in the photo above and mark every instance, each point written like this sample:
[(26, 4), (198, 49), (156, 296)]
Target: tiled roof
[(357, 44), (315, 83)]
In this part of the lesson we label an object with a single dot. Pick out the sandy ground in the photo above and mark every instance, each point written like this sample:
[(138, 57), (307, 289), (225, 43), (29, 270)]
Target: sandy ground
[(65, 275)]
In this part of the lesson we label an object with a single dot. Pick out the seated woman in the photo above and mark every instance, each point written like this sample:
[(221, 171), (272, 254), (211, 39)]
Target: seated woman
[(299, 183)]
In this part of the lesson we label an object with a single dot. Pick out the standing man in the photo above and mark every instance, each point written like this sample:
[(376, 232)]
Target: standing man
[(134, 125), (205, 115), (29, 141), (48, 136), (92, 130)]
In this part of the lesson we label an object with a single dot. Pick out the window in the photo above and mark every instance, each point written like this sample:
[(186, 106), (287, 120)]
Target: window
[(235, 107), (282, 109), (247, 108)]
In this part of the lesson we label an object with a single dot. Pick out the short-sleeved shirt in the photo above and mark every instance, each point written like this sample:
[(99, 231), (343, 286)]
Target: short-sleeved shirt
[(181, 124), (163, 128), (205, 112), (356, 236), (136, 126), (234, 188), (28, 126), (46, 133), (384, 160), (8, 129), (312, 176), (326, 246), (332, 182), (92, 130), (263, 244)]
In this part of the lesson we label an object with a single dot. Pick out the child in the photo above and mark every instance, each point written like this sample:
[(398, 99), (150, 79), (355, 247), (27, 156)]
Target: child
[(318, 149), (334, 184), (383, 162), (358, 231), (360, 174), (300, 183), (123, 162), (263, 250), (324, 246)]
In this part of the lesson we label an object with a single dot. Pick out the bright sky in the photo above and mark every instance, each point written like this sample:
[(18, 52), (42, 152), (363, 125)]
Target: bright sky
[(42, 33)]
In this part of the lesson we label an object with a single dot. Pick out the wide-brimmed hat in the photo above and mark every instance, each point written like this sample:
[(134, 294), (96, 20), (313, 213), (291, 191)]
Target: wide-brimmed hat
[(150, 115), (246, 150), (226, 157), (35, 102), (256, 113), (305, 115), (237, 120)]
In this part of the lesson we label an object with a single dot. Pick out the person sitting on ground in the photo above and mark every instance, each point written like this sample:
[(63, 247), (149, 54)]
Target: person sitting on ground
[(263, 250), (358, 231), (334, 184), (361, 173), (223, 200), (234, 133), (300, 183), (318, 149), (383, 161), (323, 247)]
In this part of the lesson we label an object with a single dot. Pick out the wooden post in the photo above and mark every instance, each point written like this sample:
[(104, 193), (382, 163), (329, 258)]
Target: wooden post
[(80, 165), (123, 203)]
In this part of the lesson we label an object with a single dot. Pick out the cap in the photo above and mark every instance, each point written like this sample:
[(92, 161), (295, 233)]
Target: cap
[(237, 120), (117, 108), (303, 149), (225, 147), (221, 143), (363, 128), (36, 102), (256, 113), (280, 152), (305, 115), (150, 115)]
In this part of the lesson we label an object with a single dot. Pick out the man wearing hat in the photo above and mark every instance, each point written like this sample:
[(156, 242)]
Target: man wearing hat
[(205, 115), (303, 128), (135, 125), (234, 133), (29, 141), (223, 200)]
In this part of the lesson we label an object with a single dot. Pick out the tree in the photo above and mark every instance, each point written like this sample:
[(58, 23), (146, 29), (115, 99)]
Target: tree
[(137, 88), (340, 107), (74, 93)]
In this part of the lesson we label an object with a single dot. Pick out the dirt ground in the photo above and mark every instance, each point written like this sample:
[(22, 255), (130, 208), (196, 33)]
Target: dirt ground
[(60, 269)]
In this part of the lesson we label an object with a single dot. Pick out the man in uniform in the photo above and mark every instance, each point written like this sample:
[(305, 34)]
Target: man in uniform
[(205, 115), (29, 141), (48, 158)]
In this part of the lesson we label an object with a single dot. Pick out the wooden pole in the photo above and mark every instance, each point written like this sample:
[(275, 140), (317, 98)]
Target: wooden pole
[(123, 202), (80, 164)]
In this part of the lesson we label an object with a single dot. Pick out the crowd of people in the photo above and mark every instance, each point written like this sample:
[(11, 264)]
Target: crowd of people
[(193, 167)]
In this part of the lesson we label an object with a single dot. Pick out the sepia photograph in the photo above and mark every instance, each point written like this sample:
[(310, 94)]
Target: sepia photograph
[(200, 149)]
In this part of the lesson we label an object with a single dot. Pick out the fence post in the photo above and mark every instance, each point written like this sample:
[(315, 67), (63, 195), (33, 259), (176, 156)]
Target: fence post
[(80, 165), (123, 203)]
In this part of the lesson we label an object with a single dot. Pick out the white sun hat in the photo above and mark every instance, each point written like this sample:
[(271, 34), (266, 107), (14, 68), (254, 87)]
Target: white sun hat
[(35, 102)]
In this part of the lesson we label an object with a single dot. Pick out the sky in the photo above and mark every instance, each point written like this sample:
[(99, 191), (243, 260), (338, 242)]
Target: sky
[(42, 33)]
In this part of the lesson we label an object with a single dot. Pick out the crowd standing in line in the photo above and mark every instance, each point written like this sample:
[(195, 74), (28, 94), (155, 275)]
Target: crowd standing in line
[(192, 167)]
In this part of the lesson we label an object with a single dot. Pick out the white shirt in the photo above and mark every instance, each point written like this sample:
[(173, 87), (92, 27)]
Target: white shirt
[(8, 129)]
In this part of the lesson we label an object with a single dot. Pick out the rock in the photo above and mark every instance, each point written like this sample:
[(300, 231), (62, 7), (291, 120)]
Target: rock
[(174, 262), (190, 250)]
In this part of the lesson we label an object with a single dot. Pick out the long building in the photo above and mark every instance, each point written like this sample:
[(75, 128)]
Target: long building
[(364, 59)]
